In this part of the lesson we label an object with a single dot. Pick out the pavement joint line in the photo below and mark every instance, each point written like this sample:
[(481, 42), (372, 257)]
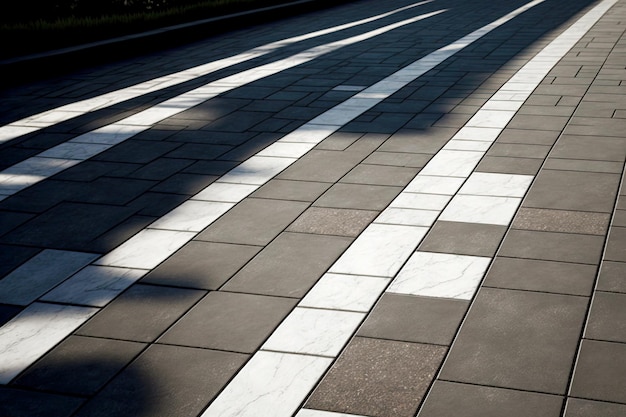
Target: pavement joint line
[(51, 117), (130, 254), (85, 146)]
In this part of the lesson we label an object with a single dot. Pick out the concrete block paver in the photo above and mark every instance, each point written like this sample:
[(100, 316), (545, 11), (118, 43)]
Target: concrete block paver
[(349, 202)]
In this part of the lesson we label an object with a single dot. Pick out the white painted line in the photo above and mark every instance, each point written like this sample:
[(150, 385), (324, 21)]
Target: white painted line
[(60, 114), (121, 130)]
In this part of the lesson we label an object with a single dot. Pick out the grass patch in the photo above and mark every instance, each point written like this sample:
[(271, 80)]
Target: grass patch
[(64, 27)]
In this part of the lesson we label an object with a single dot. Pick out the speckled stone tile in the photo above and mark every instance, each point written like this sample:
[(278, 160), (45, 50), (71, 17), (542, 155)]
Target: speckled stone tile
[(562, 221), (449, 399), (331, 221), (378, 377)]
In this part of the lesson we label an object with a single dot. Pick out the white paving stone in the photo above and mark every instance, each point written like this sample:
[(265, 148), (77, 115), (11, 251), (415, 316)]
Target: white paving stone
[(345, 292), (481, 209), (440, 275), (40, 274), (407, 217), (94, 285), (467, 145), (452, 163), (314, 332), (192, 216), (434, 185), (380, 250), (483, 134), (493, 184), (146, 249), (491, 118), (270, 384), (306, 412), (257, 170), (33, 332), (289, 150), (420, 201), (225, 192)]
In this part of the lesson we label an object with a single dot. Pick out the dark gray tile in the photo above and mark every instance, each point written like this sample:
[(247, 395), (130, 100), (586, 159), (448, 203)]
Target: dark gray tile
[(90, 361), (338, 141), (463, 238), (187, 184), (549, 246), (161, 168), (532, 137), (590, 148), (358, 196), (202, 265), (13, 256), (516, 150), (561, 221), (119, 234), (415, 319), (331, 221), (399, 159), (585, 408), (427, 141), (570, 190), (378, 377), (554, 123), (9, 220), (600, 372), (453, 399), (7, 312), (136, 151), (322, 166), (611, 277), (517, 339), (199, 151), (254, 221), (142, 313), (292, 190), (583, 165), (380, 175), (607, 319), (616, 245), (22, 403), (69, 226), (509, 165), (230, 322), (166, 381), (542, 276), (289, 266)]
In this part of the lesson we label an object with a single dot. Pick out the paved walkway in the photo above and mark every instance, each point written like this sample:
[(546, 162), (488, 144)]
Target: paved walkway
[(382, 209)]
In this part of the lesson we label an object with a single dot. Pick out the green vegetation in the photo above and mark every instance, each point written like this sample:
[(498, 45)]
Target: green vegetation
[(28, 26)]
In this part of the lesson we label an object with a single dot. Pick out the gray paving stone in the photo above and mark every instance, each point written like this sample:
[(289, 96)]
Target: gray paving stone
[(380, 175), (577, 191), (156, 204), (415, 319), (530, 137), (211, 167), (463, 238), (449, 398), (292, 190), (596, 127), (562, 221), (550, 246), (509, 165), (611, 277), (186, 184), (517, 150), (119, 234), (616, 247), (338, 141), (68, 226), (585, 408), (590, 148), (412, 160), (202, 265), (329, 221), (90, 361), (166, 381), (583, 165), (377, 377), (541, 276), (199, 151), (554, 123), (322, 166), (16, 402), (136, 151), (161, 168), (358, 196), (7, 312), (517, 339), (142, 313), (289, 266), (229, 322), (90, 170), (607, 319), (600, 372), (547, 110), (427, 141), (254, 221), (9, 220)]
